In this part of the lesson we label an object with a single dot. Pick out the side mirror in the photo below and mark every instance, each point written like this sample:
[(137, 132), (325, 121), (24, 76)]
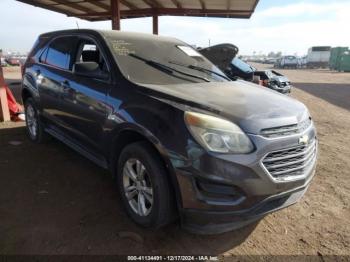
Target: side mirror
[(89, 69)]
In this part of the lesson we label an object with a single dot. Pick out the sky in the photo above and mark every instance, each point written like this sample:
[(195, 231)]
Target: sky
[(289, 26)]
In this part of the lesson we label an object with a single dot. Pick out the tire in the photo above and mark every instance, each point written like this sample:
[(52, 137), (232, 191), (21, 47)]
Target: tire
[(34, 127), (154, 179)]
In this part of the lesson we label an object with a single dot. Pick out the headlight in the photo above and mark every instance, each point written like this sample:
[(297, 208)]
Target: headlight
[(218, 135)]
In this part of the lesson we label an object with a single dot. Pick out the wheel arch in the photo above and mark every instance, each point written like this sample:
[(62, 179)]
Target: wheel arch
[(131, 133), (29, 88), (26, 94)]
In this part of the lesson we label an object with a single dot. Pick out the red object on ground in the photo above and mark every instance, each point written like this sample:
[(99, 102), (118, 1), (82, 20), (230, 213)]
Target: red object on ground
[(9, 107), (266, 83), (12, 104)]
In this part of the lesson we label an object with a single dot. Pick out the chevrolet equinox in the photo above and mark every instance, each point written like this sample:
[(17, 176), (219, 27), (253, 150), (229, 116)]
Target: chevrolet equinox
[(180, 138)]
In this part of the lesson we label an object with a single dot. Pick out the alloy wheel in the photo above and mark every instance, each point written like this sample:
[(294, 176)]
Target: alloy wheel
[(32, 121), (137, 187)]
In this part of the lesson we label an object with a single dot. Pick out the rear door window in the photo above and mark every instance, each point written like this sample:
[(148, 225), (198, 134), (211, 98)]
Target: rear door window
[(61, 51)]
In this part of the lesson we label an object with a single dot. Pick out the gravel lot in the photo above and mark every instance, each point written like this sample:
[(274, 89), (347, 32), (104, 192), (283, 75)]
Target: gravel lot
[(53, 201)]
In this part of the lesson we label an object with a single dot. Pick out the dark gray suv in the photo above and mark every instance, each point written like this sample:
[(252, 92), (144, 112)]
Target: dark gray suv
[(181, 139)]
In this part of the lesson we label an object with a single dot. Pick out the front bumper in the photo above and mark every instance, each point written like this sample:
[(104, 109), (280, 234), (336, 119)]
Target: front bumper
[(225, 192), (284, 89), (211, 222)]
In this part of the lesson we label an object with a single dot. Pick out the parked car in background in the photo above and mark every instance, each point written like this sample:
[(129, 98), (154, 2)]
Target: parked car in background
[(13, 61), (288, 61), (224, 57), (318, 56), (238, 68), (270, 60), (274, 80), (181, 138), (302, 62)]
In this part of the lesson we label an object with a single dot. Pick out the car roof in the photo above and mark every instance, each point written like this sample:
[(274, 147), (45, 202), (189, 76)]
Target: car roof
[(112, 33)]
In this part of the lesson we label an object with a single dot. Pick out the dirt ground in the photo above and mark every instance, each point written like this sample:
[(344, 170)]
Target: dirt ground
[(53, 201)]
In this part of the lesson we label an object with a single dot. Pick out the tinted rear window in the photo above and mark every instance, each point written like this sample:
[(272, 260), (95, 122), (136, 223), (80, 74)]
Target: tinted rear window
[(61, 52)]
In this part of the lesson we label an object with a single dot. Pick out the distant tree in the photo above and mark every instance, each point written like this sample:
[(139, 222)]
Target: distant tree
[(274, 55)]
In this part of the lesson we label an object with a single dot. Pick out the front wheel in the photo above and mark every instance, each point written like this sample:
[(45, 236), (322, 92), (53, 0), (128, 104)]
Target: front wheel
[(144, 186)]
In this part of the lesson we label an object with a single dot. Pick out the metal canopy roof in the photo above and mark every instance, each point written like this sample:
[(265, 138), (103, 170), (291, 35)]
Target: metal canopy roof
[(99, 10)]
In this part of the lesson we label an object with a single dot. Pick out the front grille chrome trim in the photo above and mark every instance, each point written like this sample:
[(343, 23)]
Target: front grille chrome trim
[(290, 165), (293, 169), (291, 128), (294, 162), (272, 159), (282, 131)]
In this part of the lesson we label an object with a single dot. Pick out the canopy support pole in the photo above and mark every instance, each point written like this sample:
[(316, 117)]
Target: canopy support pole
[(115, 10), (4, 109), (155, 24)]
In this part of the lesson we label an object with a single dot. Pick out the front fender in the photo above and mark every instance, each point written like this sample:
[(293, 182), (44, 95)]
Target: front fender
[(159, 123)]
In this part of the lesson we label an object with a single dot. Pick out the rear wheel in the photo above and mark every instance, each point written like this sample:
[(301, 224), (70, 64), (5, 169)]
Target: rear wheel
[(144, 186), (34, 127)]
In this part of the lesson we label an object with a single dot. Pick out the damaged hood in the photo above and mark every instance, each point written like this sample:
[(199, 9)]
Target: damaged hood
[(280, 79), (250, 106), (273, 75), (220, 55)]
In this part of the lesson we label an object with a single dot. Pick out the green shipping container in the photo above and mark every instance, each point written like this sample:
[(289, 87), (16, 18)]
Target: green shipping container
[(344, 63), (336, 54)]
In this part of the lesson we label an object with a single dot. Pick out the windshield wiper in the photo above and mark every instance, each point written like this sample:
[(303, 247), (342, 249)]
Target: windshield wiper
[(201, 69), (167, 69)]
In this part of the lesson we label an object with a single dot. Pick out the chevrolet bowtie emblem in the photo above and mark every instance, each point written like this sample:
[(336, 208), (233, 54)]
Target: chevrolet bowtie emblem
[(304, 140)]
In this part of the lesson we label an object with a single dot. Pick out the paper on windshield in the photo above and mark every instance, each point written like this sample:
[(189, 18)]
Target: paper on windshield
[(122, 47), (188, 50)]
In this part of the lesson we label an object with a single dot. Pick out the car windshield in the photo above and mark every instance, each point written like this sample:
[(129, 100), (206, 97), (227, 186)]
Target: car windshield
[(242, 65), (147, 59)]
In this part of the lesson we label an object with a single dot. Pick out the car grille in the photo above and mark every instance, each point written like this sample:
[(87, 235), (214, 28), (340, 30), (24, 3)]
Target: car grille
[(284, 84), (286, 130), (291, 162)]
